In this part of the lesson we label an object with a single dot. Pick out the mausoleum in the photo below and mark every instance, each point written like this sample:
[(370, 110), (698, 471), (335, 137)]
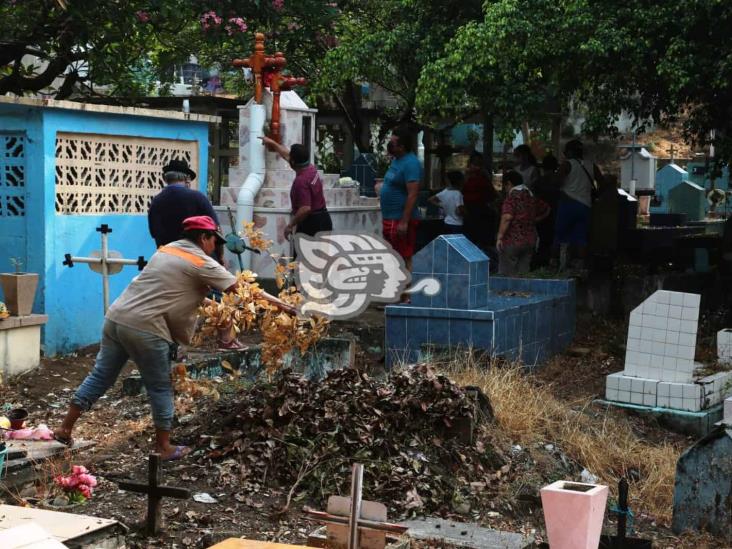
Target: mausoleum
[(67, 168)]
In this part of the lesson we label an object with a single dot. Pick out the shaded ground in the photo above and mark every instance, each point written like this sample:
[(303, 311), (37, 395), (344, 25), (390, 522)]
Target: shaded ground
[(121, 427)]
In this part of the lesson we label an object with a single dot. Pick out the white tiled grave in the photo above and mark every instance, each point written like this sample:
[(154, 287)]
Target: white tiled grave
[(659, 358), (727, 417), (724, 346)]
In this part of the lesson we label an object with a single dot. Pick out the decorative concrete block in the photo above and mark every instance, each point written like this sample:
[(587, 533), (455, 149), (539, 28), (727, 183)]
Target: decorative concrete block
[(20, 343), (724, 346)]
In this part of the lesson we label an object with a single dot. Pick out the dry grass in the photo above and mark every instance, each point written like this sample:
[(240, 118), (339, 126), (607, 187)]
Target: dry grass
[(599, 440)]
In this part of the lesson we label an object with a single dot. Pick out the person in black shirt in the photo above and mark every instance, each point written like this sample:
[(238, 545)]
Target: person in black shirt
[(175, 203)]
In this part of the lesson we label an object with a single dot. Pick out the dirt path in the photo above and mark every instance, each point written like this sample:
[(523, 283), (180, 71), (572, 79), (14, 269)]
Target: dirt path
[(122, 429)]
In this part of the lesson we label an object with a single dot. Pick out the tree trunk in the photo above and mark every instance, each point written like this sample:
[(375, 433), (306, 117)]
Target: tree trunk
[(556, 135), (525, 132), (488, 142)]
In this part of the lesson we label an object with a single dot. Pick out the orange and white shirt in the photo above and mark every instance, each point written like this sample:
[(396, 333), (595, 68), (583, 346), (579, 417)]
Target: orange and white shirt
[(163, 298)]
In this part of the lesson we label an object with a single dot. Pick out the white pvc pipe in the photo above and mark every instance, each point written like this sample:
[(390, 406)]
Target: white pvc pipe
[(255, 179)]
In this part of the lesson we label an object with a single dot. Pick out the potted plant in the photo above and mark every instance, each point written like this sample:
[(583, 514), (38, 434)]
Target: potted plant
[(19, 289), (573, 512)]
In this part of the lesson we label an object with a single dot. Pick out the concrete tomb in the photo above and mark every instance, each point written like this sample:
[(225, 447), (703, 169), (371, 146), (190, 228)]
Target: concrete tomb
[(271, 209), (702, 490), (688, 198), (524, 318), (667, 178), (660, 371)]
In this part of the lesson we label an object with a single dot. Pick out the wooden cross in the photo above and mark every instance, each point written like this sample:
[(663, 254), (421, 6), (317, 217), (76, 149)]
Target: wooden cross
[(268, 71), (259, 62), (279, 84), (355, 523), (155, 493), (672, 152)]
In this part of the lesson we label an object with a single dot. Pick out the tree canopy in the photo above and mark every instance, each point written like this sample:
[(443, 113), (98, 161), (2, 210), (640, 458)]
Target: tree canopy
[(652, 59), (514, 60)]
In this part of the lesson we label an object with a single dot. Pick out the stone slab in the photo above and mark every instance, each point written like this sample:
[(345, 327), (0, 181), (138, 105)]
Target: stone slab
[(70, 529), (727, 416), (238, 543), (697, 424), (20, 349), (465, 534), (21, 321), (22, 469)]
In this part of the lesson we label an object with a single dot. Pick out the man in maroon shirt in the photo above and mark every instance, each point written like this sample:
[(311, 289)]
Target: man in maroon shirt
[(309, 212)]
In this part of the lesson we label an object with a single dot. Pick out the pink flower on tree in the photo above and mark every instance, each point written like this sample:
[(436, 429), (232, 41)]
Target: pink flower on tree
[(210, 19), (142, 16), (278, 5), (236, 24)]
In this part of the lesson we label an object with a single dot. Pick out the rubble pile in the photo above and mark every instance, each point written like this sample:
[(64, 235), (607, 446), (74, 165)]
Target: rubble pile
[(305, 436)]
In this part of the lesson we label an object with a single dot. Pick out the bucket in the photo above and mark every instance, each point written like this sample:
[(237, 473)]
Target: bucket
[(3, 456), (17, 418)]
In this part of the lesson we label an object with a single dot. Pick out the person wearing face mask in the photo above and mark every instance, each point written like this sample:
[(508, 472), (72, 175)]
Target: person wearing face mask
[(398, 195), (309, 212)]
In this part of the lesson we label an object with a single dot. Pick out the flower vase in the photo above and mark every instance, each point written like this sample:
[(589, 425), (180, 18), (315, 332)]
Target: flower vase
[(573, 513)]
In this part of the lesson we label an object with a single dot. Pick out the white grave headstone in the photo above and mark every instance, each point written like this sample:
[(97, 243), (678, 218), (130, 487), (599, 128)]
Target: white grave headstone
[(724, 346), (659, 358)]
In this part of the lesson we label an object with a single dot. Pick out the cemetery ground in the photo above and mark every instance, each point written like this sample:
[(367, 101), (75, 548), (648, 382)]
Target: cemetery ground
[(545, 428)]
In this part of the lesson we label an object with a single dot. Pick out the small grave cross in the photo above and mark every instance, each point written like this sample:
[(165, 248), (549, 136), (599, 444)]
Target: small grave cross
[(672, 152), (354, 523), (155, 493), (106, 262)]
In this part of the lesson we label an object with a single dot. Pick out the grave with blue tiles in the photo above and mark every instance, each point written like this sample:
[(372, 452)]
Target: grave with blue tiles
[(530, 319)]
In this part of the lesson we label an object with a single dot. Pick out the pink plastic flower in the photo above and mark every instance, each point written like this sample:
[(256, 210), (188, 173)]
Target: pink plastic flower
[(142, 16), (278, 5), (79, 470), (87, 480)]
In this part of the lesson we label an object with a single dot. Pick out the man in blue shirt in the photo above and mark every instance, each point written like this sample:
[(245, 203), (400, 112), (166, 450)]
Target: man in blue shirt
[(398, 195), (175, 203)]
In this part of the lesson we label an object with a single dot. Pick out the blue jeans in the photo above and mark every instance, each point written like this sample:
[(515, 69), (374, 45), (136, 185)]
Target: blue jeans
[(150, 353)]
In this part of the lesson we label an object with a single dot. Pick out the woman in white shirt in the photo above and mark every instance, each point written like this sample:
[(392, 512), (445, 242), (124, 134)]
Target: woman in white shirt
[(526, 165), (450, 199)]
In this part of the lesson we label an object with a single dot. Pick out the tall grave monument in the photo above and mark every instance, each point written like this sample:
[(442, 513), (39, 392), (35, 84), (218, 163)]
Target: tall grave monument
[(288, 120)]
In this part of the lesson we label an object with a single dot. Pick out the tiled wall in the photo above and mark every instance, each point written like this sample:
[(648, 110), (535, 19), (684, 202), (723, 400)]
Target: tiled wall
[(532, 327), (461, 269)]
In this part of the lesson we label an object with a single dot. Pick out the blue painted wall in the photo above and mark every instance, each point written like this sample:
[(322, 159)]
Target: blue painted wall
[(72, 297)]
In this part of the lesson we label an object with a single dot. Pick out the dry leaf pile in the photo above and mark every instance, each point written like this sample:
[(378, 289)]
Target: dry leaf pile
[(305, 436), (246, 310)]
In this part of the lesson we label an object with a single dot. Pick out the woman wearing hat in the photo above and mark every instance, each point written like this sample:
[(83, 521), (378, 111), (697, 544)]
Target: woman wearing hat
[(156, 311)]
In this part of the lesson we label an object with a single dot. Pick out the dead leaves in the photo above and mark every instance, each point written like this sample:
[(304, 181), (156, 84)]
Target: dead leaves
[(246, 310), (307, 434)]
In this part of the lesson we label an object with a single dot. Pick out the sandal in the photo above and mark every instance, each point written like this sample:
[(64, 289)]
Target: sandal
[(66, 441), (179, 453), (233, 345)]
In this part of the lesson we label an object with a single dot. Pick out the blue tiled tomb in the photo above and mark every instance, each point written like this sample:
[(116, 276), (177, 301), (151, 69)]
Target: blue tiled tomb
[(511, 317)]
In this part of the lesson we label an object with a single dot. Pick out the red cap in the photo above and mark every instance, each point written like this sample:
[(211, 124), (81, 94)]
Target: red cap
[(202, 222)]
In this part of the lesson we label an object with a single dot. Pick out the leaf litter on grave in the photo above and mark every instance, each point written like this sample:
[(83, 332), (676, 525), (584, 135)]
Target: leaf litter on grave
[(304, 436)]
